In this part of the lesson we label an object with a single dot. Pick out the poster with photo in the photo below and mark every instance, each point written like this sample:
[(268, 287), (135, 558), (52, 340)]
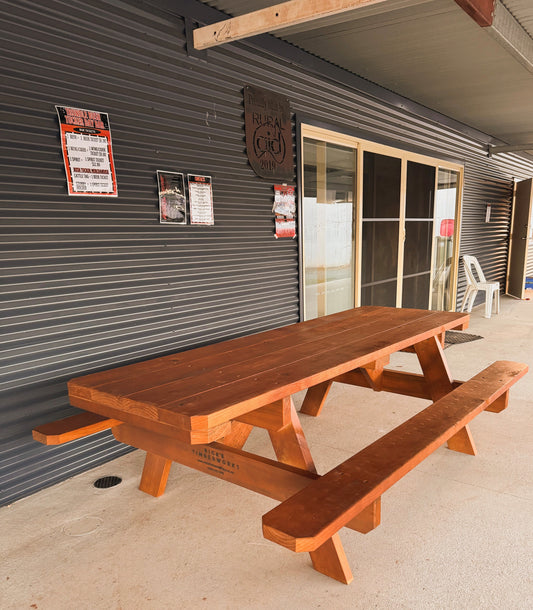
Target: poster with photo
[(285, 209), (172, 200), (201, 200), (87, 152), (284, 200)]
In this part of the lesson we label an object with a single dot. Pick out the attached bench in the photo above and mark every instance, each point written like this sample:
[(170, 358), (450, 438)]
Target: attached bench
[(353, 490), (72, 428)]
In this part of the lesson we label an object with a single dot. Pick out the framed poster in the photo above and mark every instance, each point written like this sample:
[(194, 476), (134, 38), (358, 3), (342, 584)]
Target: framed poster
[(87, 152), (200, 200), (172, 200)]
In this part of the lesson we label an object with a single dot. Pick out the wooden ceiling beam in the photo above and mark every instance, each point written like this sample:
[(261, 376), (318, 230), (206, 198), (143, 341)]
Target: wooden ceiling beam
[(481, 11), (273, 18)]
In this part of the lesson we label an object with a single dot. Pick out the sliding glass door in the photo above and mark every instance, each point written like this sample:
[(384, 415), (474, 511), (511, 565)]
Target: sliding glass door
[(379, 226)]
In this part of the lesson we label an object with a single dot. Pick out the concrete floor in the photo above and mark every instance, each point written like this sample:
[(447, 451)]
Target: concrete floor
[(457, 532)]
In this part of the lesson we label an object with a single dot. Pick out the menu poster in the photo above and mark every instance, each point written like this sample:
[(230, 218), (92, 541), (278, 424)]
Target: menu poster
[(284, 200), (200, 200), (87, 152), (172, 201)]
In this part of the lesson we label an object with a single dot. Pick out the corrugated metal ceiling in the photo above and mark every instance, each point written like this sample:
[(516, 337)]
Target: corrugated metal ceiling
[(429, 51)]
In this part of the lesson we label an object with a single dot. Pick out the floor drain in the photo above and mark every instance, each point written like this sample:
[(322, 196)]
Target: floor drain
[(106, 482)]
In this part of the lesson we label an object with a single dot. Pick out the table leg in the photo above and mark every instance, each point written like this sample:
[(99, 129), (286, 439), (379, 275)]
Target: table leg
[(315, 397), (439, 382), (291, 448), (290, 444), (155, 474), (330, 559), (238, 436)]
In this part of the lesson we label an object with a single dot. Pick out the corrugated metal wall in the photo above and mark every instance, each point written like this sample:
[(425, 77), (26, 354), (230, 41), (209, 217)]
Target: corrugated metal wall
[(91, 283), (529, 266)]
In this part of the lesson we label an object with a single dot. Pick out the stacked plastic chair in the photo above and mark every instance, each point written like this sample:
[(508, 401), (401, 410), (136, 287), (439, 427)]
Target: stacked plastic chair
[(475, 284)]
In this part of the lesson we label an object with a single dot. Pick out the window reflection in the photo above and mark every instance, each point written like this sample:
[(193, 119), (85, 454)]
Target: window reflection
[(443, 239)]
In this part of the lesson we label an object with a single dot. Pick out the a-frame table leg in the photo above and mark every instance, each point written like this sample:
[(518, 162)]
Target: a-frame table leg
[(315, 397), (290, 444), (291, 448), (155, 474), (439, 382)]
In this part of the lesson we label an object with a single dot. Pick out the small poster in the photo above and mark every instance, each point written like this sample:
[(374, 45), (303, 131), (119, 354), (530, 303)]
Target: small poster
[(172, 201), (284, 200), (200, 200), (285, 209), (285, 227), (87, 152)]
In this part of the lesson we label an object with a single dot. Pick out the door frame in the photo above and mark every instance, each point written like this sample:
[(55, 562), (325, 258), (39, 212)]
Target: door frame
[(361, 145)]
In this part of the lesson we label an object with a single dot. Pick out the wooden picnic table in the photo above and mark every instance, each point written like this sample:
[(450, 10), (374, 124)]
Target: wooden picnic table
[(198, 407)]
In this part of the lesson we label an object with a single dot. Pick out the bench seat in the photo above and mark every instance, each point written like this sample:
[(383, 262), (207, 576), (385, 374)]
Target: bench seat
[(72, 428), (312, 516)]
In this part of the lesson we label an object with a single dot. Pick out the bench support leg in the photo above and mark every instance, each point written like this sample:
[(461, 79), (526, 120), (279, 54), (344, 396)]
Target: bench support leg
[(330, 559), (463, 442), (155, 474), (290, 444), (315, 398), (368, 519), (439, 382)]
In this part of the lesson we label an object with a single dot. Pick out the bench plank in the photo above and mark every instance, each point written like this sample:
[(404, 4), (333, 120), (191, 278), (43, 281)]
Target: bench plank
[(72, 428), (308, 519)]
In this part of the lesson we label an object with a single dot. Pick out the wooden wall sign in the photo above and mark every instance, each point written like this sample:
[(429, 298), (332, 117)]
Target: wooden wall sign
[(267, 121)]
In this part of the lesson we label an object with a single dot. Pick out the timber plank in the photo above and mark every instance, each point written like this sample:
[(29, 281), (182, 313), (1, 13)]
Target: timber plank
[(201, 360), (209, 400), (72, 428)]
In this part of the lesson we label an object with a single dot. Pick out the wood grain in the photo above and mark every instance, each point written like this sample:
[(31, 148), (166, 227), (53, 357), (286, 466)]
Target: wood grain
[(72, 428), (259, 474), (204, 388)]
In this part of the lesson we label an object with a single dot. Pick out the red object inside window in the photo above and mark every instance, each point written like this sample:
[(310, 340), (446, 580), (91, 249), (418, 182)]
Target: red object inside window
[(446, 227)]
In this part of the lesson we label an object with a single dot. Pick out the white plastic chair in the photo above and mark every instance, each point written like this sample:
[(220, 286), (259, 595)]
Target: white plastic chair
[(474, 285)]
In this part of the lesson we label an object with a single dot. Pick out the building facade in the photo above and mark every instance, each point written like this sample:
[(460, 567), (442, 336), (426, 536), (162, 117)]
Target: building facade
[(95, 282)]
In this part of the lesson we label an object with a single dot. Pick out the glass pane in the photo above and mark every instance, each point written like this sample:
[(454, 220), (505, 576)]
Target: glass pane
[(420, 190), (379, 294), (415, 292), (329, 179), (381, 186), (380, 251), (443, 239), (417, 248), (381, 226)]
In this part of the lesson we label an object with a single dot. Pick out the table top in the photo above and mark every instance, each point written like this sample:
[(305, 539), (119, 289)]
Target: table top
[(205, 387)]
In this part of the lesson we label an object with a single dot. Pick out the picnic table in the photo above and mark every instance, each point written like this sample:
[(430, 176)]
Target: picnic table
[(198, 408)]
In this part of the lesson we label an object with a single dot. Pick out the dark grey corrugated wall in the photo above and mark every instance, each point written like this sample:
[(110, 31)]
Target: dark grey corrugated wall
[(91, 283)]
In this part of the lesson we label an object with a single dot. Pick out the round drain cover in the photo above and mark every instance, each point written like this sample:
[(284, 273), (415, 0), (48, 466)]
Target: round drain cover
[(106, 482)]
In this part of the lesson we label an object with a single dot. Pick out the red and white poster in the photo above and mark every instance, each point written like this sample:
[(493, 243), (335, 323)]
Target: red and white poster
[(285, 209), (285, 227), (87, 152)]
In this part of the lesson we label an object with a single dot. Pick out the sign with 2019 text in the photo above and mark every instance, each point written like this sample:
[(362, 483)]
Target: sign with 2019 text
[(87, 152)]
